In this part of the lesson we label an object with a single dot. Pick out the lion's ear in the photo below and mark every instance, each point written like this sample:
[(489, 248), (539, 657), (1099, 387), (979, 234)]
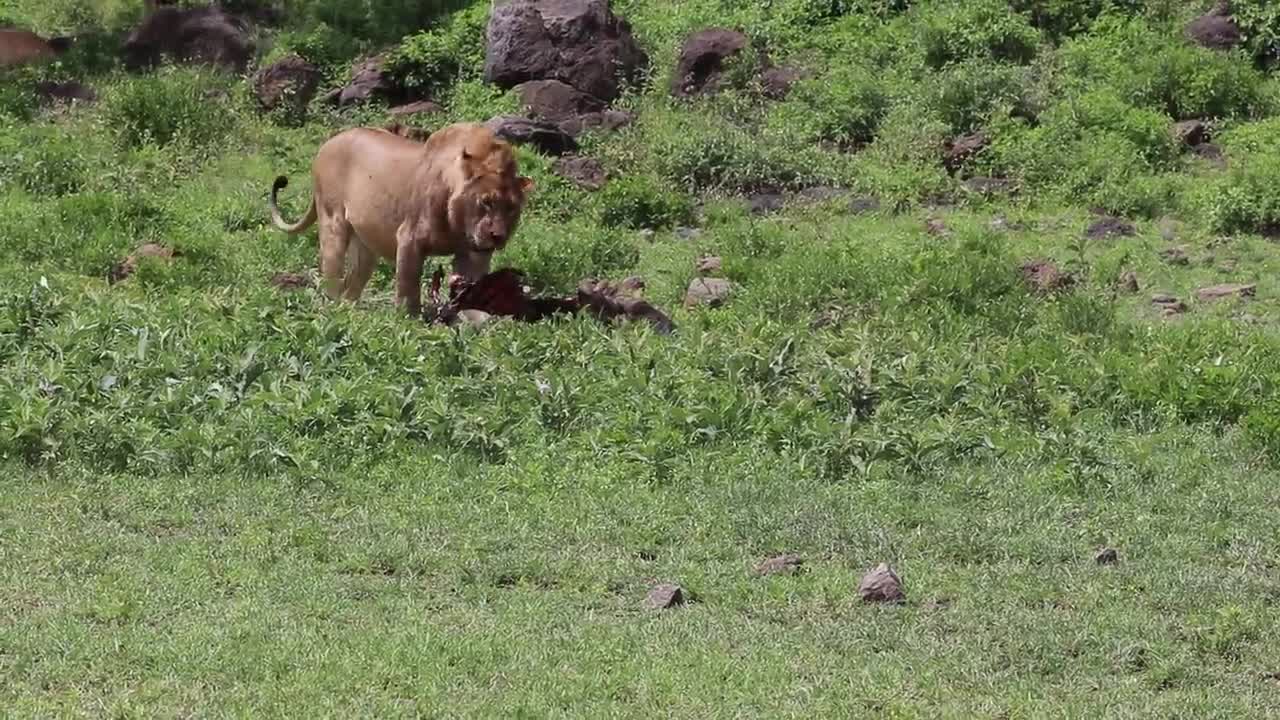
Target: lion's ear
[(525, 184)]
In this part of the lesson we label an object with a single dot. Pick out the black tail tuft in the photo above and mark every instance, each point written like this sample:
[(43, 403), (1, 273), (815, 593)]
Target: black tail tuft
[(280, 183)]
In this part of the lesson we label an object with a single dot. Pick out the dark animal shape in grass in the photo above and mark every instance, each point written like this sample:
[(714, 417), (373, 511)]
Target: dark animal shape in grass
[(503, 292), (18, 47)]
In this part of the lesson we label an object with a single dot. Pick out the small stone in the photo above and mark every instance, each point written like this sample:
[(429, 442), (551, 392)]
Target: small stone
[(1168, 304), (711, 292), (864, 204), (688, 233), (1128, 282), (647, 234), (1218, 292), (1169, 228), (664, 597), (1190, 132), (765, 202), (786, 564), (988, 185), (821, 193), (881, 585), (1107, 556), (421, 107), (1175, 255), (1211, 154), (936, 227), (709, 264)]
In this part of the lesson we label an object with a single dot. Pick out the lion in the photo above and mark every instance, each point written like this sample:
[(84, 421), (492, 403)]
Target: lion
[(18, 47), (377, 194)]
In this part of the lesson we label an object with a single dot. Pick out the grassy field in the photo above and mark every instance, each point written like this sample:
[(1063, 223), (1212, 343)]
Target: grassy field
[(227, 500)]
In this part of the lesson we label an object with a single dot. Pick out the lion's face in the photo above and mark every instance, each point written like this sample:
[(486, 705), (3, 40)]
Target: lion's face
[(494, 197), (494, 213)]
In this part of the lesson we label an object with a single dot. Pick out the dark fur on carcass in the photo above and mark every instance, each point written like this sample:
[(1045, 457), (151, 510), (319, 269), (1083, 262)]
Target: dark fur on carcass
[(503, 292)]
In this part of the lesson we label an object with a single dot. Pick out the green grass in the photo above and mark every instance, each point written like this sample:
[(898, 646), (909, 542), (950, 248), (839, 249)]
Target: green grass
[(225, 500)]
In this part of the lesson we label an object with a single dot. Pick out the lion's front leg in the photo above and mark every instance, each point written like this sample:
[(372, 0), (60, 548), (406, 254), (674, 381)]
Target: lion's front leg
[(409, 260)]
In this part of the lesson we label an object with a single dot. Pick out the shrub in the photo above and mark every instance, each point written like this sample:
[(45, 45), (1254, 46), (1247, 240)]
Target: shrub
[(1246, 198), (173, 105), (1141, 63), (1252, 137), (433, 59), (43, 160), (964, 95), (1260, 22), (955, 30), (843, 107), (1064, 18), (640, 201), (1095, 149)]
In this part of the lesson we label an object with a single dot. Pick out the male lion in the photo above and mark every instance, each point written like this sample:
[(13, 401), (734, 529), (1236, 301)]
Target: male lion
[(22, 46), (379, 194)]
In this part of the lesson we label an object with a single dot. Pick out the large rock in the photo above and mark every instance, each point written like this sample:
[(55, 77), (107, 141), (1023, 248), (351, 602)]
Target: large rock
[(205, 35), (524, 131), (289, 81), (702, 60), (960, 150), (554, 101), (579, 42), (1216, 29), (369, 81)]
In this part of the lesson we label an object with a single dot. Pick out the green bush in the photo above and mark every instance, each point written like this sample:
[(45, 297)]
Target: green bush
[(955, 29), (843, 107), (435, 58), (639, 201), (1065, 18), (1252, 137), (1093, 149), (1140, 62), (966, 94), (1260, 22), (170, 106), (43, 160), (1246, 198)]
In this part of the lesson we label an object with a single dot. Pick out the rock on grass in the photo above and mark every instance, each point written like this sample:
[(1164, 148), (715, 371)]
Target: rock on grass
[(664, 596), (1218, 292), (710, 292), (1107, 556), (881, 585)]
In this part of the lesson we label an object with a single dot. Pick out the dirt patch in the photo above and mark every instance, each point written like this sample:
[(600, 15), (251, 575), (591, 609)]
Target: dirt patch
[(1110, 226), (129, 265), (291, 281), (1043, 277)]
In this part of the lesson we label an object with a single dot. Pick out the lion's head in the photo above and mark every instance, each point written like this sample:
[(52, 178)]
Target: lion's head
[(494, 194)]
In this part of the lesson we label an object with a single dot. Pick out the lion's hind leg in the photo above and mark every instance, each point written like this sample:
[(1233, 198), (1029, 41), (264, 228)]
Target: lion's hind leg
[(363, 262), (335, 236)]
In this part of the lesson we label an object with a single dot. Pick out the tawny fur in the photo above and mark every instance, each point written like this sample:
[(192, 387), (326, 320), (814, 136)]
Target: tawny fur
[(376, 194), (22, 46)]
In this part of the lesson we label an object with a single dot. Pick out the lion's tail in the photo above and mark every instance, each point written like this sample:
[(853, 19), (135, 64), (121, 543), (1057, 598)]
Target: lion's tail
[(279, 221)]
